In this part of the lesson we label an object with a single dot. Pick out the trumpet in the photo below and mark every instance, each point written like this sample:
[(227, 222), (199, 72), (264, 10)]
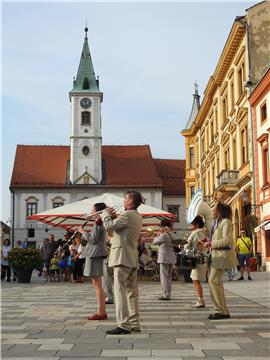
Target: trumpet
[(89, 217)]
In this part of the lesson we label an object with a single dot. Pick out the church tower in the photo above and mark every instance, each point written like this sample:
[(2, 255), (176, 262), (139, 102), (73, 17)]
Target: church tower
[(85, 139)]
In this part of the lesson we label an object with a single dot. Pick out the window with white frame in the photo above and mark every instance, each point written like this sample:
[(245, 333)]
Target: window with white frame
[(241, 77), (191, 157), (244, 144), (31, 206)]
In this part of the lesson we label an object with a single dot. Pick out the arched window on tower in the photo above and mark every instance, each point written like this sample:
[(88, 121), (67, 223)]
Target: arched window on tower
[(86, 118), (85, 84)]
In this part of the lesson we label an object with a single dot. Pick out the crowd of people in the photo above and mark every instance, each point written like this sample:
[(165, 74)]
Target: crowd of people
[(114, 277)]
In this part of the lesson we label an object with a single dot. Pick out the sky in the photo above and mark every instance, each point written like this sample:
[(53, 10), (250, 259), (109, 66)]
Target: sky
[(147, 55)]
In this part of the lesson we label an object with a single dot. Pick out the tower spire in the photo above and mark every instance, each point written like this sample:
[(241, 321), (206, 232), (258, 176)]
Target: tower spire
[(195, 106), (196, 87), (86, 79)]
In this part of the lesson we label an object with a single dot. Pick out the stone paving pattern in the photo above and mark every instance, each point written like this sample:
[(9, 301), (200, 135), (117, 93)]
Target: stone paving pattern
[(47, 321)]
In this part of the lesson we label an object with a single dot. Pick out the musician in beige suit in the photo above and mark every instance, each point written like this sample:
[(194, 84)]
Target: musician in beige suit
[(223, 257), (123, 258)]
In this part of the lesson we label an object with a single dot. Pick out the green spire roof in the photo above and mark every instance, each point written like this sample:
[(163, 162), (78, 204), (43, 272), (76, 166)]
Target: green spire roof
[(86, 79)]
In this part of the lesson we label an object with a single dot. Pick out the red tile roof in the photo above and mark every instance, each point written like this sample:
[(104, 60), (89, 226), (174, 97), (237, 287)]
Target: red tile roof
[(46, 166), (172, 173), (125, 165), (40, 166), (129, 165)]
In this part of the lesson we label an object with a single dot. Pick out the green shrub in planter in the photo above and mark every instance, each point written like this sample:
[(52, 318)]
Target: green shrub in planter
[(25, 259)]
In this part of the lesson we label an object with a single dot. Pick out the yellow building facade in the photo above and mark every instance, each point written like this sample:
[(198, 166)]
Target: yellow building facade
[(219, 133)]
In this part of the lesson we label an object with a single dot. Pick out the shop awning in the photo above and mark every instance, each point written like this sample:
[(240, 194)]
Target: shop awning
[(267, 226), (249, 184), (264, 225)]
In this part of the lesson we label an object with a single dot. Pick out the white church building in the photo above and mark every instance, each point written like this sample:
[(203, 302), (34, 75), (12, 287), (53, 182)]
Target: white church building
[(47, 176)]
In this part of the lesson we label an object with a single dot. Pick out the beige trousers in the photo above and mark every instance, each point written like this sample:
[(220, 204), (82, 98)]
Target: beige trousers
[(126, 297), (217, 291)]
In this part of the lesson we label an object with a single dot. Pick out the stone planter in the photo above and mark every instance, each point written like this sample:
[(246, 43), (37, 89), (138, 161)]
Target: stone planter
[(24, 275)]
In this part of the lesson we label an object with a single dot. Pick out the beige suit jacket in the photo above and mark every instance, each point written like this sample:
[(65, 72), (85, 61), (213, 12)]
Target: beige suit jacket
[(222, 237), (126, 231)]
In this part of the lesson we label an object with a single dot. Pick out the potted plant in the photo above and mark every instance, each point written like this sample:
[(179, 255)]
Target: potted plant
[(24, 261)]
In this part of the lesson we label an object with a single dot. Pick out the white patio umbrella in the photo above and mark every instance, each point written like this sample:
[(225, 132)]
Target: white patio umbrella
[(74, 215)]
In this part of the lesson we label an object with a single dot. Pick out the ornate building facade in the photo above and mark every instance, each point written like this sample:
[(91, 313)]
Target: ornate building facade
[(260, 104), (219, 133)]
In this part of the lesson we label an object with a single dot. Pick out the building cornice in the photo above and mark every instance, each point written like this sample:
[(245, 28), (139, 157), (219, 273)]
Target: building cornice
[(232, 44)]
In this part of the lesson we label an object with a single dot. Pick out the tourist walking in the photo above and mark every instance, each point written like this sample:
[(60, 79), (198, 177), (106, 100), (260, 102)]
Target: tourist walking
[(124, 260), (166, 256), (244, 250)]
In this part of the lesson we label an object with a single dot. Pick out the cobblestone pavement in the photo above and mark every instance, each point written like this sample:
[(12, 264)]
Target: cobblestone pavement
[(48, 321)]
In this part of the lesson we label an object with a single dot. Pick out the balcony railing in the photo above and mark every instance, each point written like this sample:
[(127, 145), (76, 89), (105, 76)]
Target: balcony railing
[(228, 177)]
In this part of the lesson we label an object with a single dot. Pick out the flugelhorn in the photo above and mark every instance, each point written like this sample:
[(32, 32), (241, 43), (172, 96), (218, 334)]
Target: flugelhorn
[(115, 208)]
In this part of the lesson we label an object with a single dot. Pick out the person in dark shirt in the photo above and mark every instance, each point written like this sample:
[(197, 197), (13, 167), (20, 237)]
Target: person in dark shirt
[(48, 255)]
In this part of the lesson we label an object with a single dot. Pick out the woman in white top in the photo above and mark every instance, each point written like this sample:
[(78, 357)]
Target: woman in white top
[(80, 259), (195, 243)]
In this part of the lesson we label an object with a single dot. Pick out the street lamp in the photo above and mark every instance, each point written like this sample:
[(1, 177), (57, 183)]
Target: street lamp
[(207, 199), (244, 197)]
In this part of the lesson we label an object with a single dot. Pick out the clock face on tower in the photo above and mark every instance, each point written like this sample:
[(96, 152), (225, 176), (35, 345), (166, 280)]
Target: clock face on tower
[(85, 103)]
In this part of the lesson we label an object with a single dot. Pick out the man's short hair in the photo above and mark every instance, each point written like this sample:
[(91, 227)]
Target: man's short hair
[(136, 197)]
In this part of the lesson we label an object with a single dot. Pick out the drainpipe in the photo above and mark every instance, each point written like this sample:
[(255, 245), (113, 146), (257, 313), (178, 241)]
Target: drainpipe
[(12, 217), (248, 86)]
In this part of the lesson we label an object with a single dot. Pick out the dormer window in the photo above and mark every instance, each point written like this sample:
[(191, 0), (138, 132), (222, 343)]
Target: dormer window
[(86, 118), (85, 84)]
